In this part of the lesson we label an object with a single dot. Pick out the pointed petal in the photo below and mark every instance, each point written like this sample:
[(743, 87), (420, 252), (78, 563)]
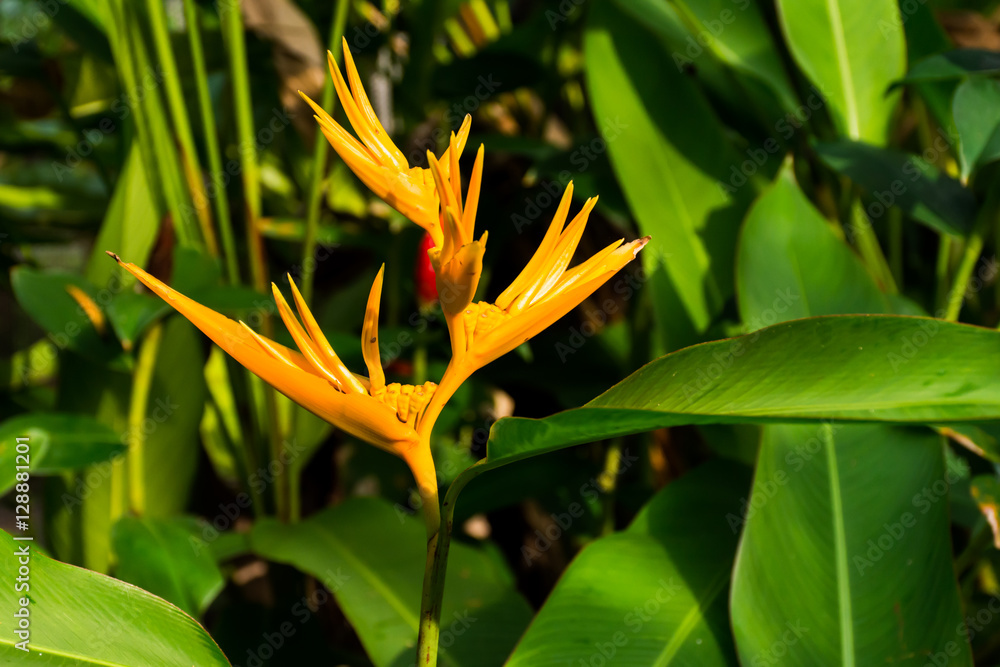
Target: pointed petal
[(267, 346), (358, 121), (361, 98), (582, 271), (322, 345), (527, 324), (358, 414), (537, 262), (369, 335), (463, 137), (559, 259), (455, 175), (472, 198), (302, 339)]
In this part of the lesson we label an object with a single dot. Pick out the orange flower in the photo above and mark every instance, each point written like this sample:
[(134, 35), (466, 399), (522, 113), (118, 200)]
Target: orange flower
[(545, 290), (375, 159), (386, 416)]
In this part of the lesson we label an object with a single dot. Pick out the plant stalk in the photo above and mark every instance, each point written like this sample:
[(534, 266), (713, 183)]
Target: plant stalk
[(182, 123), (142, 381), (973, 248), (435, 570), (321, 151), (219, 198)]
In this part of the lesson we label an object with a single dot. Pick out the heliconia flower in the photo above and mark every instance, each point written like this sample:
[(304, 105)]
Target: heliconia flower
[(375, 159), (458, 261), (424, 278), (545, 290), (386, 416)]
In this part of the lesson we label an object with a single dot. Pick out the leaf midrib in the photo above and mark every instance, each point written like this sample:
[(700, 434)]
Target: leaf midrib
[(844, 63), (691, 619), (385, 591), (840, 551)]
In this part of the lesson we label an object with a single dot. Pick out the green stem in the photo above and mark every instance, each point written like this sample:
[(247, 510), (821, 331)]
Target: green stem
[(941, 270), (321, 151), (232, 24), (609, 484), (142, 381), (233, 31), (895, 217), (435, 570), (182, 123), (220, 200), (973, 248), (867, 243)]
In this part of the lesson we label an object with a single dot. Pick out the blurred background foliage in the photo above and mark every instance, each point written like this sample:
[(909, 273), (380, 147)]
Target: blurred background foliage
[(788, 160)]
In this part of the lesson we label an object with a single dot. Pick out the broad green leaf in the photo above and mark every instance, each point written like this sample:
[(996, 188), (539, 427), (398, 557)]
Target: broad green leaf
[(738, 36), (371, 557), (852, 368), (130, 225), (703, 34), (56, 443), (893, 178), (956, 64), (859, 560), (786, 248), (79, 508), (824, 479), (925, 38), (671, 157), (976, 109), (168, 558), (654, 594), (839, 46), (173, 413), (45, 298), (80, 618), (130, 313)]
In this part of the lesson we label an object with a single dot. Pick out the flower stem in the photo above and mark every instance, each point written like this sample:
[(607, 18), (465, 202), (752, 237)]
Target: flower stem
[(142, 380), (435, 570), (208, 126), (320, 151), (868, 246), (973, 248)]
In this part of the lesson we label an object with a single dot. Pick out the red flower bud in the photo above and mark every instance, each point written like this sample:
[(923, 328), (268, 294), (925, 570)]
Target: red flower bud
[(423, 275)]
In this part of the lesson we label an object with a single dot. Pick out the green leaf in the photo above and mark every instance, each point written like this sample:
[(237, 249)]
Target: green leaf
[(855, 368), (168, 558), (858, 559), (786, 249), (130, 313), (837, 44), (894, 178), (985, 490), (79, 509), (44, 297), (57, 443), (80, 618), (735, 34), (738, 36), (671, 157), (976, 109), (130, 225), (818, 498), (371, 557), (956, 64), (654, 594), (177, 396)]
